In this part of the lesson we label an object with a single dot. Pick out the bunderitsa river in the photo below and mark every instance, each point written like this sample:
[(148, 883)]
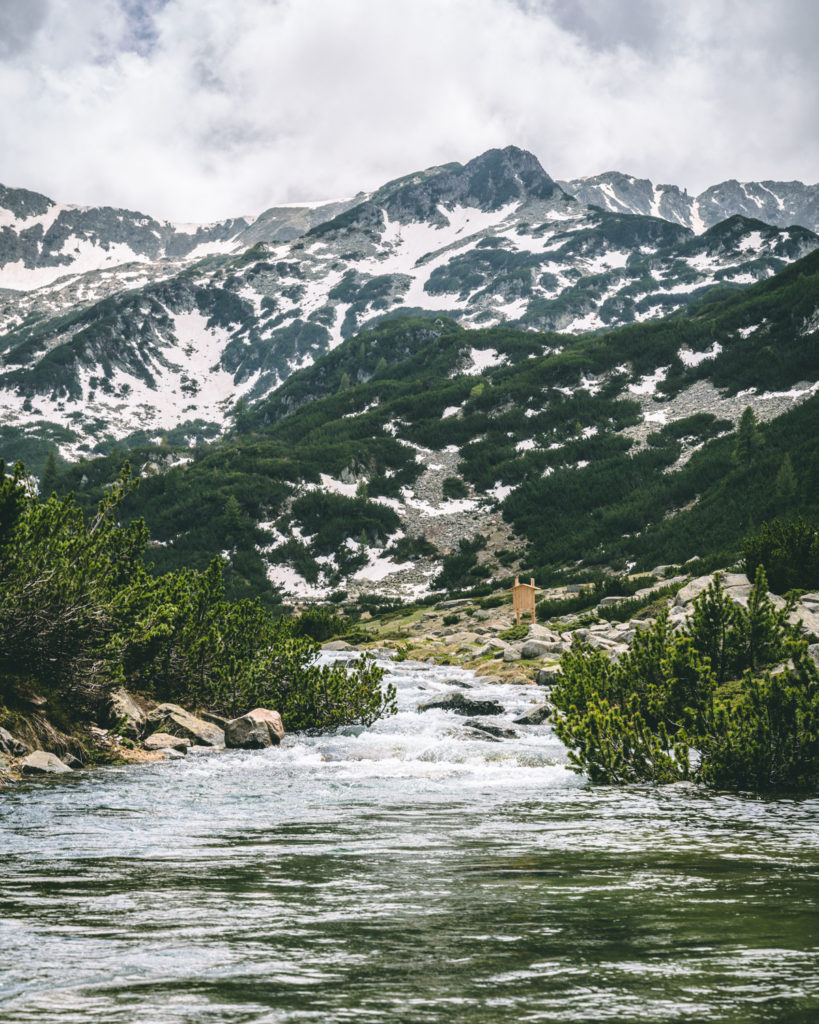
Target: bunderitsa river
[(416, 871)]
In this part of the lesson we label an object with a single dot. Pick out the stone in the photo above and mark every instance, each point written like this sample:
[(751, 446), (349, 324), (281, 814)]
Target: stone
[(547, 675), (491, 730), (176, 721), (809, 620), (257, 729), (457, 602), (813, 651), (11, 746), (124, 714), (214, 719), (608, 602), (173, 755), (164, 741), (39, 762), (337, 645), (542, 648), (462, 705), (72, 762), (536, 716), (543, 633), (512, 654)]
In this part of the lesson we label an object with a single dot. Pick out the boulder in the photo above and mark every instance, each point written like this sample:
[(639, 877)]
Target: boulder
[(495, 731), (124, 714), (542, 648), (11, 746), (512, 654), (462, 705), (538, 632), (337, 645), (536, 716), (39, 762), (809, 619), (163, 741), (176, 721), (258, 728), (72, 762), (547, 675)]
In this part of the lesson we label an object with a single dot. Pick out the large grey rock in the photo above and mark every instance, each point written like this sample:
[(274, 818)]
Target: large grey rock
[(736, 582), (40, 762), (176, 721), (536, 716), (163, 741), (124, 714), (808, 618), (542, 648), (462, 705), (258, 728), (538, 632), (547, 675), (337, 645), (512, 654), (11, 746)]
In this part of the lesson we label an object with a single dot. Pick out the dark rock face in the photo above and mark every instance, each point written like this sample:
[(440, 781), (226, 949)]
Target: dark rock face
[(462, 705), (255, 730), (176, 721), (11, 746)]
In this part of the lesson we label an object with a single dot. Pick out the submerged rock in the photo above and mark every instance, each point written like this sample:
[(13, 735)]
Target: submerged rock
[(259, 728), (176, 721), (462, 705), (40, 762), (496, 731)]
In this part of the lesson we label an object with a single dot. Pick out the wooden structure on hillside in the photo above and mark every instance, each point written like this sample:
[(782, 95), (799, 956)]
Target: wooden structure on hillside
[(523, 599)]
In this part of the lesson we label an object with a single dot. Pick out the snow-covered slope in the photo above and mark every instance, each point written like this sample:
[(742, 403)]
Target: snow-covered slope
[(781, 203), (143, 327)]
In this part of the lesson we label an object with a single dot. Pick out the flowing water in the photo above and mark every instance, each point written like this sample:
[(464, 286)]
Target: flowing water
[(411, 872)]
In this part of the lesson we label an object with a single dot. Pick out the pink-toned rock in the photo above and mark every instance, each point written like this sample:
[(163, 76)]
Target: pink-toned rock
[(258, 728), (164, 741)]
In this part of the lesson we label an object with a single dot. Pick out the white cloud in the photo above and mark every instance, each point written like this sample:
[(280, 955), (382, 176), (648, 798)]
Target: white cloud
[(197, 109)]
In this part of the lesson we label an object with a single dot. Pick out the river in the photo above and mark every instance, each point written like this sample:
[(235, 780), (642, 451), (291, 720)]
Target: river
[(411, 872)]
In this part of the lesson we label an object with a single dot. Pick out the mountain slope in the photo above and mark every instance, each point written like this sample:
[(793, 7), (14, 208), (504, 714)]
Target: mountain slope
[(495, 241), (362, 470), (781, 203)]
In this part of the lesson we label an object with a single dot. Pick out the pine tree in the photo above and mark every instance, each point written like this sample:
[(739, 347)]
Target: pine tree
[(785, 485), (48, 481), (749, 439)]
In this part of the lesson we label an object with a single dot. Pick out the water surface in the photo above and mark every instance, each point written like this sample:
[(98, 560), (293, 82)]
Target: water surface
[(412, 872)]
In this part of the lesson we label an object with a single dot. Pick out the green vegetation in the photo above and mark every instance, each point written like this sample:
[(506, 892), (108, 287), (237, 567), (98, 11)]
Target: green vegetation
[(80, 614), (703, 704), (788, 551)]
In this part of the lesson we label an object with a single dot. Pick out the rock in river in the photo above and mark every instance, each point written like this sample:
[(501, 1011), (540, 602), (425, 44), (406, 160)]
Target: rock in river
[(259, 728), (39, 762), (163, 741), (462, 705), (176, 721), (122, 711)]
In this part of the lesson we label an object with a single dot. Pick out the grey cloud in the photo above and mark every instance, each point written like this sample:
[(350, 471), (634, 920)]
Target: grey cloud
[(19, 23)]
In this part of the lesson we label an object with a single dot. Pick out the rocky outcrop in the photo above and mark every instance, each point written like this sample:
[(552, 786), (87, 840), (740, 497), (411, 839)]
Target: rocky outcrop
[(40, 762), (176, 721), (257, 729), (495, 731), (11, 746), (123, 714)]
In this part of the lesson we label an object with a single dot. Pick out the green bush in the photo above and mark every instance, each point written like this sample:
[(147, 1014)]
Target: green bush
[(788, 551), (708, 689)]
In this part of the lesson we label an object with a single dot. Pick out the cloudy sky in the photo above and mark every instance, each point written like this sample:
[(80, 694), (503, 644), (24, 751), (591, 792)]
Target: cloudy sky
[(201, 109)]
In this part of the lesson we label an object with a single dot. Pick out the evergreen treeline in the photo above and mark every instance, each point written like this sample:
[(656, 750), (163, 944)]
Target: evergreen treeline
[(81, 613)]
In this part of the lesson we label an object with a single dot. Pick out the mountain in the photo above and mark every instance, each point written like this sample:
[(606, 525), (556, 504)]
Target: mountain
[(780, 203), (419, 453), (137, 330)]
